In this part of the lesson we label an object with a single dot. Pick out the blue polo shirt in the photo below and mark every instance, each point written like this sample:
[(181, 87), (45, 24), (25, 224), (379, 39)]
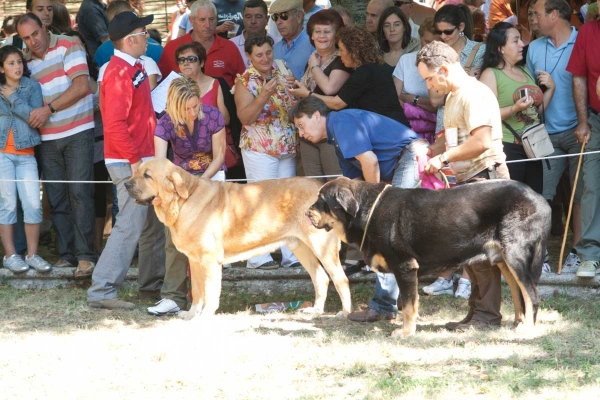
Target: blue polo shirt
[(296, 56), (107, 49), (353, 132), (561, 114)]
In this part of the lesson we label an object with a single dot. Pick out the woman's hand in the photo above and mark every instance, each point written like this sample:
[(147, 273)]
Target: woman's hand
[(270, 87), (301, 91), (289, 80), (7, 91), (522, 104), (544, 78), (314, 61)]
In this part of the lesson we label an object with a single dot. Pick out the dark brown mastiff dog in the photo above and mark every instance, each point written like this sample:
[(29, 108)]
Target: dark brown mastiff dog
[(418, 231), (214, 223)]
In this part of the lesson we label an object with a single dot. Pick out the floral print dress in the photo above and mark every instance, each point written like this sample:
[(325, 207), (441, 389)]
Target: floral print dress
[(272, 133)]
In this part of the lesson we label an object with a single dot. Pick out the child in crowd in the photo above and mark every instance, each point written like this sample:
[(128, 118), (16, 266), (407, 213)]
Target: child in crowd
[(18, 96)]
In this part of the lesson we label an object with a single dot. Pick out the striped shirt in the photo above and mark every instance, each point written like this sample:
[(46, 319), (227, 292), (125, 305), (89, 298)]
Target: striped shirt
[(64, 61)]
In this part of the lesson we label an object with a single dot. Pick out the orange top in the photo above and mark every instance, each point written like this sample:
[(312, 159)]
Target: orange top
[(10, 147), (499, 11)]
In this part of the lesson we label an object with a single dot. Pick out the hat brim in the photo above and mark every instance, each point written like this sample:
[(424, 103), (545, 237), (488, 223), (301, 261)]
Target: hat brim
[(275, 9)]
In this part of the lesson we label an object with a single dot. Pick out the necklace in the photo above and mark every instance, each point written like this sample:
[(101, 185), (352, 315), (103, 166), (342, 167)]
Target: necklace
[(546, 57)]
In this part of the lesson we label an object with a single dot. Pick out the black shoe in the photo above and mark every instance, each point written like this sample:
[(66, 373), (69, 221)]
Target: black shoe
[(352, 269)]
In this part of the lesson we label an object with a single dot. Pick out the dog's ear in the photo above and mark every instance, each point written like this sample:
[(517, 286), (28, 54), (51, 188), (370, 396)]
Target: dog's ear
[(345, 198), (168, 202), (178, 184)]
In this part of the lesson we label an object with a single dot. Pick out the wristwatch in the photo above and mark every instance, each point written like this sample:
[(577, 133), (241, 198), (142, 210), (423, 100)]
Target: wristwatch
[(415, 100), (52, 110), (444, 160)]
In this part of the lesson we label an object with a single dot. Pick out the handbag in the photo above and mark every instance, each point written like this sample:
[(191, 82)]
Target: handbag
[(232, 156), (535, 139)]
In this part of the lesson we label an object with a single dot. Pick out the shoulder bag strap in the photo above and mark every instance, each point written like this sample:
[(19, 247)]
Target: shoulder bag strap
[(512, 130), (471, 58)]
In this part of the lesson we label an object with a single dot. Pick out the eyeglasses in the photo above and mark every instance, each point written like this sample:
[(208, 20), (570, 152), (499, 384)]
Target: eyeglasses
[(190, 59), (446, 32), (142, 33), (283, 15)]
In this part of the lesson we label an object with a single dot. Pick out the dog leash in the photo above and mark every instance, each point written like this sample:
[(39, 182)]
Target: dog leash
[(370, 214)]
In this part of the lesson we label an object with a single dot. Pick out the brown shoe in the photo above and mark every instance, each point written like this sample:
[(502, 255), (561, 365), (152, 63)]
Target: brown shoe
[(112, 304), (368, 315), (451, 326), (84, 269), (62, 263)]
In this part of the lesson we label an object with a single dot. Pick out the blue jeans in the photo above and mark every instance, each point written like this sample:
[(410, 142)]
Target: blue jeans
[(19, 167), (71, 205), (406, 175)]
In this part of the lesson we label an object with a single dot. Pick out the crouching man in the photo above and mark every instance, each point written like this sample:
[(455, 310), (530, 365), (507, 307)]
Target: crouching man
[(372, 147)]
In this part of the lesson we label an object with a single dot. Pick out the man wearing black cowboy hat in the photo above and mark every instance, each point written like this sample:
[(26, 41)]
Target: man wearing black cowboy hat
[(129, 123)]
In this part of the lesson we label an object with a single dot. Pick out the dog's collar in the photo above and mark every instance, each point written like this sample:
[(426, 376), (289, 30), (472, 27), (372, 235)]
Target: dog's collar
[(362, 242)]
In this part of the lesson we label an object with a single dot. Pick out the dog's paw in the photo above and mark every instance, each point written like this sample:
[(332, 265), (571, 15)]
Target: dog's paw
[(401, 333), (312, 310), (185, 315)]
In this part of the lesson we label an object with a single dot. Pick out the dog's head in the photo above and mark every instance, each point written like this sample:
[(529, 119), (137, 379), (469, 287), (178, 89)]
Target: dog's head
[(159, 182), (336, 207)]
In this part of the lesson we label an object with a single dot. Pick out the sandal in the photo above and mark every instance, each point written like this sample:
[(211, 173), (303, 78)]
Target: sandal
[(84, 269)]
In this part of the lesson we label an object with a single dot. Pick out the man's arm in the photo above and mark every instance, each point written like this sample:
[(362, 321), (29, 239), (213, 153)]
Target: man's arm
[(370, 166), (78, 89), (477, 144), (580, 92)]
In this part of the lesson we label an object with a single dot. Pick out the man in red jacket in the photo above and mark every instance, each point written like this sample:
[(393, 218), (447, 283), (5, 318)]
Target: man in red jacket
[(129, 124), (223, 60)]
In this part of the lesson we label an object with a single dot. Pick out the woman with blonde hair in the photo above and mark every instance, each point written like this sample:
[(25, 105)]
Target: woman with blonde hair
[(197, 134)]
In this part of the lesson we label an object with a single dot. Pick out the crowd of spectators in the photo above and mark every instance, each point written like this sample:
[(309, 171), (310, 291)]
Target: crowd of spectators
[(260, 89)]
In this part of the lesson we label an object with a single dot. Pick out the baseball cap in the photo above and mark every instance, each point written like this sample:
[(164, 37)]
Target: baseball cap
[(126, 22)]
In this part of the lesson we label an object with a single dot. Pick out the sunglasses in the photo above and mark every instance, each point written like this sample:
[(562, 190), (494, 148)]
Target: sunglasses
[(446, 32), (190, 59), (142, 33), (283, 15)]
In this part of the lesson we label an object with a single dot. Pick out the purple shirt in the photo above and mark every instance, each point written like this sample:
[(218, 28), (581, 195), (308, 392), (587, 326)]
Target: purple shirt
[(192, 150)]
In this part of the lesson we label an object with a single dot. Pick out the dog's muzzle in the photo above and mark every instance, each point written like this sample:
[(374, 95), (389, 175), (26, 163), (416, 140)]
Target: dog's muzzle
[(135, 194)]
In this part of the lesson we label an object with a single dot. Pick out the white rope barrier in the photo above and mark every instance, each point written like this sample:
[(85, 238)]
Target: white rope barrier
[(313, 177)]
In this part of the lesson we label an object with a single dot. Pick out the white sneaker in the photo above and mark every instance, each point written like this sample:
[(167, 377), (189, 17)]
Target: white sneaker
[(464, 289), (165, 306), (571, 264), (546, 268), (440, 286)]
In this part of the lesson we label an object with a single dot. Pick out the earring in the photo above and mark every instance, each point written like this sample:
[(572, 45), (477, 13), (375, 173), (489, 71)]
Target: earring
[(462, 33)]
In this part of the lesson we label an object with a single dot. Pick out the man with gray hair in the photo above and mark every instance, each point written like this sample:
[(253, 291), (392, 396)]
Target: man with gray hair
[(294, 47), (223, 60), (374, 10)]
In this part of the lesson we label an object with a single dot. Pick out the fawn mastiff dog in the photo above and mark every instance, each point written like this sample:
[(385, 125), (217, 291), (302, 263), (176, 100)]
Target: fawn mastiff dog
[(418, 231), (214, 223)]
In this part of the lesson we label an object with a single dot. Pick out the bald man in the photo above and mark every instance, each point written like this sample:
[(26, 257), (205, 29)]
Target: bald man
[(374, 10)]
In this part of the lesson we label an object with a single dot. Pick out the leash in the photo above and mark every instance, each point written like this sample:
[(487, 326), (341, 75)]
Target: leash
[(370, 214), (564, 241)]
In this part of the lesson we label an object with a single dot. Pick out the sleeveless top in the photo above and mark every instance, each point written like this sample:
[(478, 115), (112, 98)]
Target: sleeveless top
[(506, 88)]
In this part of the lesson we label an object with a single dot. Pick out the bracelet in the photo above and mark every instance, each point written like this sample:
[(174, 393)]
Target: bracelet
[(314, 66), (511, 113), (415, 100), (52, 110)]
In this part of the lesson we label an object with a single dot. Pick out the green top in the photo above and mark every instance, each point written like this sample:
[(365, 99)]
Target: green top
[(506, 87)]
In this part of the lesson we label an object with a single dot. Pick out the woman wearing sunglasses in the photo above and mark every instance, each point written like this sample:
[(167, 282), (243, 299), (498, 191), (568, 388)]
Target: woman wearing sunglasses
[(454, 25), (370, 87), (268, 140), (197, 134), (190, 57)]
